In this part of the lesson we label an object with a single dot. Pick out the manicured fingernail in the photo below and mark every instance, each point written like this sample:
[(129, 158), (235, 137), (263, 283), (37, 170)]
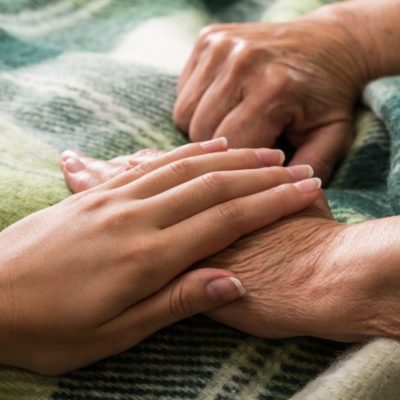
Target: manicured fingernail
[(214, 145), (69, 154), (225, 289), (271, 157), (309, 185), (300, 172), (73, 165)]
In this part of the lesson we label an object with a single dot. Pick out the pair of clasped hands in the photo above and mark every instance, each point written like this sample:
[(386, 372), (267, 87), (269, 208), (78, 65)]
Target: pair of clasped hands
[(145, 240)]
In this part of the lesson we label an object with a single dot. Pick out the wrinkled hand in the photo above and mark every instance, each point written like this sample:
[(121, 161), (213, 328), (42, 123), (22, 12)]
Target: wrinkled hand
[(256, 82), (309, 275)]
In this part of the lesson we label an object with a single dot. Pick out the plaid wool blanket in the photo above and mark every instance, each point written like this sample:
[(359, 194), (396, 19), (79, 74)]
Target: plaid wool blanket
[(100, 76)]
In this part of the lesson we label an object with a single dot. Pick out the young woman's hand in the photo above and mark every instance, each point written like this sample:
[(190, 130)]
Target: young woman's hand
[(256, 82), (82, 172), (97, 273)]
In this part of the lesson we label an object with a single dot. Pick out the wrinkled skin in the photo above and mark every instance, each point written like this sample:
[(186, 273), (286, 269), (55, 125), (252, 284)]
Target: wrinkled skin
[(256, 82), (310, 275)]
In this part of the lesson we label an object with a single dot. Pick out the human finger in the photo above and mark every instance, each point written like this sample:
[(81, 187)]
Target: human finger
[(200, 80), (189, 150), (216, 228), (195, 196), (184, 170), (218, 101), (324, 147), (195, 292)]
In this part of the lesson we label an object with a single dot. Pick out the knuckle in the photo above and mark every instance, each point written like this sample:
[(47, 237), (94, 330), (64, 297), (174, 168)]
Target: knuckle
[(209, 30), (220, 41), (180, 304), (148, 253), (115, 220), (231, 213), (181, 168), (128, 175), (213, 181), (92, 202), (140, 251), (142, 169), (243, 55), (280, 80)]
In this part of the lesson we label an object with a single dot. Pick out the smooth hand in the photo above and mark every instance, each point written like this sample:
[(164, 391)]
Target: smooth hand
[(97, 273)]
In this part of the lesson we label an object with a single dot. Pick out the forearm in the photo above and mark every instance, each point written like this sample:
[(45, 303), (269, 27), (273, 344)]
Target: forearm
[(375, 26)]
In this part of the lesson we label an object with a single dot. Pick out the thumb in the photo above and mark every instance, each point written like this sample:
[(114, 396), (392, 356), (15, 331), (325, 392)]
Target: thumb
[(199, 291), (324, 147), (195, 292)]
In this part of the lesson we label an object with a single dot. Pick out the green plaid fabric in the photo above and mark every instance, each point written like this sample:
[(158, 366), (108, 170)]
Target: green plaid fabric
[(100, 76)]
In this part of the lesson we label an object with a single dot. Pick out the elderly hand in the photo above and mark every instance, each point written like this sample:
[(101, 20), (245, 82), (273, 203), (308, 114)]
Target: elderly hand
[(96, 273), (257, 82), (309, 275)]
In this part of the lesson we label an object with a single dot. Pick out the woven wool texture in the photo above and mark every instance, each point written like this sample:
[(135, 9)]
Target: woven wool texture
[(100, 76)]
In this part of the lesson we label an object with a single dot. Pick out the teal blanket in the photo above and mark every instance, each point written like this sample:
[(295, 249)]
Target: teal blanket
[(100, 76)]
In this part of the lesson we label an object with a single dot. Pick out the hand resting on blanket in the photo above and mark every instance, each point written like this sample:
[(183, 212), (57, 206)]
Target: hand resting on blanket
[(306, 274), (255, 83), (100, 271)]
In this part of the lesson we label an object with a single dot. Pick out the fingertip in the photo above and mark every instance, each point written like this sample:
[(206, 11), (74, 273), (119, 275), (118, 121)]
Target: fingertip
[(300, 172), (215, 145), (225, 289), (307, 186), (213, 287), (73, 165), (70, 154), (270, 157)]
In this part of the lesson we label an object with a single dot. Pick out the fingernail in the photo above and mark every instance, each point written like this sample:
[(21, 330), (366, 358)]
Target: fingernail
[(69, 154), (214, 145), (73, 165), (225, 289), (309, 185), (300, 172), (271, 157)]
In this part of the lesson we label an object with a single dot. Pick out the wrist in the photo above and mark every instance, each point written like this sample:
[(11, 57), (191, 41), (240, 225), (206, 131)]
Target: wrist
[(373, 34), (356, 47)]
